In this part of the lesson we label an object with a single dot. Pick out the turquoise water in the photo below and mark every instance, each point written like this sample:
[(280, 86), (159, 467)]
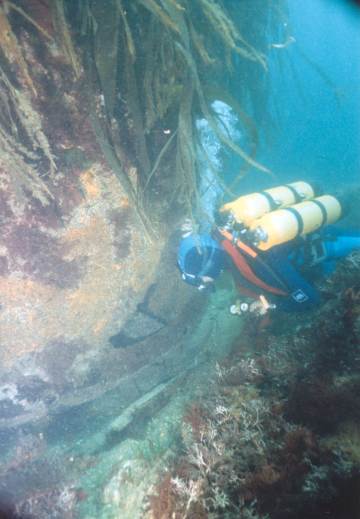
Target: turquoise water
[(316, 103), (310, 125)]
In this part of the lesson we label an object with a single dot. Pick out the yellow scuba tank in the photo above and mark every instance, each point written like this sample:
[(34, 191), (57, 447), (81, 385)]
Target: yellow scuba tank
[(286, 224), (249, 207)]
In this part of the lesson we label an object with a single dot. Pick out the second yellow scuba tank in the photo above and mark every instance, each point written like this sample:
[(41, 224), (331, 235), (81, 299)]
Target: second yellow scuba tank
[(286, 224), (247, 208)]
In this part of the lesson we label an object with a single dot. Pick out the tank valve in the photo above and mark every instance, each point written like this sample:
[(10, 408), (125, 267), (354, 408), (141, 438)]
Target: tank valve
[(259, 235)]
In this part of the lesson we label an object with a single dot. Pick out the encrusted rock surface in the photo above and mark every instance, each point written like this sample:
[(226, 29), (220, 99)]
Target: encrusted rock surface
[(66, 290), (76, 264)]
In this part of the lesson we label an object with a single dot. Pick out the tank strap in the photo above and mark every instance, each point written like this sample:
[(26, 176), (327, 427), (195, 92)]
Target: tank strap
[(297, 197), (235, 249), (298, 217), (272, 203), (322, 209)]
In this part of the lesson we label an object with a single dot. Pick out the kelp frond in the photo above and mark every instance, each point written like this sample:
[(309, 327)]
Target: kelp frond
[(23, 141), (160, 13), (64, 37), (17, 116), (12, 50), (10, 5), (129, 37), (153, 62), (200, 47), (230, 35)]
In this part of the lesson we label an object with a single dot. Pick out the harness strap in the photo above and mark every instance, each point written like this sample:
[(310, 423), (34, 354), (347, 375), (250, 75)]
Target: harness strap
[(242, 265), (228, 236), (246, 271)]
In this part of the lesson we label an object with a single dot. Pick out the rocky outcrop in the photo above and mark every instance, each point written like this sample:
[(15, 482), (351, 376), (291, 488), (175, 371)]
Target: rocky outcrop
[(67, 289), (75, 260)]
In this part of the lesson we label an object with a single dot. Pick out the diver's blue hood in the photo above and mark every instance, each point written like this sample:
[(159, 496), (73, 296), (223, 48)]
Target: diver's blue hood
[(200, 255)]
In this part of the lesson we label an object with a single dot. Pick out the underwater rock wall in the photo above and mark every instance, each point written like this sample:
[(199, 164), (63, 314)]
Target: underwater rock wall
[(66, 289), (76, 263)]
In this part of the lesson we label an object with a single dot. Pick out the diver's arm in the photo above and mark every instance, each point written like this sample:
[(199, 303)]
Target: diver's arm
[(340, 242)]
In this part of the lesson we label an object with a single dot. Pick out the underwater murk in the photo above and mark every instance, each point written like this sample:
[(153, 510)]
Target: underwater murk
[(124, 392)]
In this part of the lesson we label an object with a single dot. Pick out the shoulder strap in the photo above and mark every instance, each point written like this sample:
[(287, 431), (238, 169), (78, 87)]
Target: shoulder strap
[(237, 251)]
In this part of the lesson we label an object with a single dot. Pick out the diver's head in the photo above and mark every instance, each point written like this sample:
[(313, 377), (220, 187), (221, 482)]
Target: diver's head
[(200, 259)]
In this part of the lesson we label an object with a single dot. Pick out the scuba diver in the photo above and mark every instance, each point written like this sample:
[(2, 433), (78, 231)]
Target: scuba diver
[(274, 242)]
